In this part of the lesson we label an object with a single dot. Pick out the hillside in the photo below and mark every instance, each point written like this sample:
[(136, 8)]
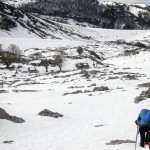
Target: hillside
[(109, 15), (62, 23), (14, 23), (97, 105), (73, 85)]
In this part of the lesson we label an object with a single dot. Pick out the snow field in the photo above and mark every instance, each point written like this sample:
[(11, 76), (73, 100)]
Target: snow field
[(90, 119)]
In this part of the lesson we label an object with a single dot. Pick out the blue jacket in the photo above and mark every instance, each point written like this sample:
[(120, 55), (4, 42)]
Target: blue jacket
[(144, 118)]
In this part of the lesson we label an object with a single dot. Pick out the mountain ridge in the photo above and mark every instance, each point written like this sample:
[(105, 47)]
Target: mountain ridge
[(15, 21), (110, 15)]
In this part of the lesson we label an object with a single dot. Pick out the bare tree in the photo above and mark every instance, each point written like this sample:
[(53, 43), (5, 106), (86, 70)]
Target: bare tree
[(14, 49), (10, 55), (7, 58), (80, 50), (59, 59), (45, 63)]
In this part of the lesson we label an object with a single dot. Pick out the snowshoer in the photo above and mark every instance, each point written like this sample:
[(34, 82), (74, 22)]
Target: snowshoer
[(143, 122)]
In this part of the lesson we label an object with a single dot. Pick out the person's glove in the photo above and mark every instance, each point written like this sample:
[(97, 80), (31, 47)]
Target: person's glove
[(136, 122)]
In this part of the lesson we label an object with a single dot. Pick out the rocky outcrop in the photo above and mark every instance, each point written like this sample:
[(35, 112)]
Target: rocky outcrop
[(101, 88), (75, 92), (144, 94), (49, 113), (5, 115), (117, 142)]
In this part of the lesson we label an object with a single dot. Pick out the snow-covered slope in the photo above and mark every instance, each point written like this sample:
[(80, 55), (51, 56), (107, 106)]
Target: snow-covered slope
[(97, 104), (92, 119)]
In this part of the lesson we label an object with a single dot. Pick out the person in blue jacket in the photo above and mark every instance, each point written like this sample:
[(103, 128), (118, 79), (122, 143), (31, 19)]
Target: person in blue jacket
[(143, 122)]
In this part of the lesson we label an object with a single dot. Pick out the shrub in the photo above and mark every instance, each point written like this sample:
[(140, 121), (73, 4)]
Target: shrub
[(80, 50)]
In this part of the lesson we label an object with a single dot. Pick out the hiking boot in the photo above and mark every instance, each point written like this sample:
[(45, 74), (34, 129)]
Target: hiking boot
[(142, 145)]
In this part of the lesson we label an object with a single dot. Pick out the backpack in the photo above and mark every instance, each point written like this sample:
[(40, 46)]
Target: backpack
[(143, 112), (144, 117)]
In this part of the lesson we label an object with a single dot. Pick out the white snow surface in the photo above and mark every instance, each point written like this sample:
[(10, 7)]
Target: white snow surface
[(90, 119), (25, 40), (136, 10), (17, 2)]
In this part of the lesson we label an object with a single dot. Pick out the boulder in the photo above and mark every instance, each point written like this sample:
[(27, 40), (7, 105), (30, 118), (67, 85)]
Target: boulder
[(49, 113), (5, 115), (137, 99), (147, 93), (101, 88), (77, 92), (117, 142)]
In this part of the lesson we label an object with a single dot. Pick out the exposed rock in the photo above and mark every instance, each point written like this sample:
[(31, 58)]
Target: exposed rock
[(100, 125), (137, 99), (131, 52), (72, 87), (85, 73), (137, 44), (15, 90), (112, 78), (16, 119), (143, 95), (87, 91), (147, 93), (141, 45), (3, 91), (8, 142), (144, 85), (96, 56), (94, 84), (101, 88), (94, 72), (66, 93), (49, 113), (117, 142), (130, 77), (4, 115), (77, 92)]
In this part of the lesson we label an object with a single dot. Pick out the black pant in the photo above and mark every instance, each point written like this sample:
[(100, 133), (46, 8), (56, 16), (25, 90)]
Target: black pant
[(144, 134)]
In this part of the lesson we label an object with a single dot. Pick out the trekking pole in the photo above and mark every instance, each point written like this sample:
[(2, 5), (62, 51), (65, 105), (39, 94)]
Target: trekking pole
[(136, 137), (148, 139)]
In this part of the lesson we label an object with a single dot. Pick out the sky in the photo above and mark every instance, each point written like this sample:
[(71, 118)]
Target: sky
[(131, 1)]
